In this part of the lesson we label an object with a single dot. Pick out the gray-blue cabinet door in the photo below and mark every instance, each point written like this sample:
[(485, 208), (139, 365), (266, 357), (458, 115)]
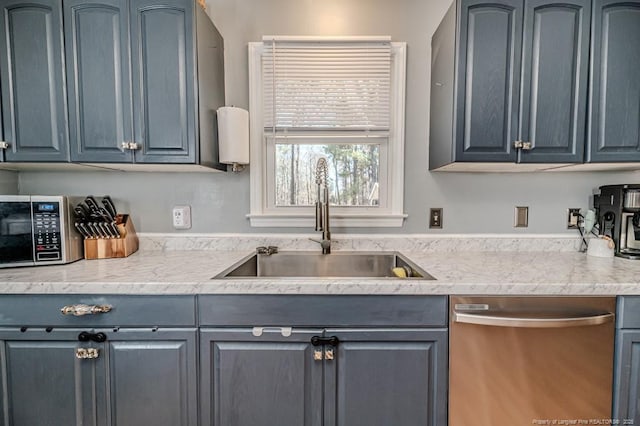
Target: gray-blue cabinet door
[(488, 80), (382, 377), (265, 380), (626, 379), (152, 377), (32, 78), (44, 383), (553, 102), (98, 79), (164, 100), (614, 110)]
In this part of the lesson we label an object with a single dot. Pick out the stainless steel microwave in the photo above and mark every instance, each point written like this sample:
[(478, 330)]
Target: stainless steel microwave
[(37, 230)]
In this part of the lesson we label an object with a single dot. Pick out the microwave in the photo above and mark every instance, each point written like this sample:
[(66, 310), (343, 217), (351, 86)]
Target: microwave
[(37, 230)]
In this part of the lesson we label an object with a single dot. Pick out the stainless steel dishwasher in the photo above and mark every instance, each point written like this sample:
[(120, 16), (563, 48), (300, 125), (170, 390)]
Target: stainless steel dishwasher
[(528, 360)]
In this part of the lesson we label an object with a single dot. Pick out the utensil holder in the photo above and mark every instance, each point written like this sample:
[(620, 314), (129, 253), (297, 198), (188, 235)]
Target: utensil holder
[(104, 248)]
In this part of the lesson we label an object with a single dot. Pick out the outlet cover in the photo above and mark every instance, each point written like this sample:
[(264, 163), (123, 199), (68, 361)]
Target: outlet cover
[(573, 218), (182, 217), (521, 217)]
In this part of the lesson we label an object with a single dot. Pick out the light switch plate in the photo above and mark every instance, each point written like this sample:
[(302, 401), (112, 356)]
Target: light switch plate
[(521, 219), (435, 218)]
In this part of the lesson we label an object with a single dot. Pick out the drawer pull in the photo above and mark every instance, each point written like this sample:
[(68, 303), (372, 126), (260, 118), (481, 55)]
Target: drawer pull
[(87, 353), (319, 341), (82, 309), (284, 331), (85, 336)]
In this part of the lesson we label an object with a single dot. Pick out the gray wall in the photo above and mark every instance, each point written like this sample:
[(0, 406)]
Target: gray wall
[(8, 182), (475, 203)]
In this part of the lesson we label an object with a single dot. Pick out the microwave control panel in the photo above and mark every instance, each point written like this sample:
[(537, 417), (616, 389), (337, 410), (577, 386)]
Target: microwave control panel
[(46, 231)]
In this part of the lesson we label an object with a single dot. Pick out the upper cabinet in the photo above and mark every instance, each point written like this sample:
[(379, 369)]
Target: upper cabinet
[(614, 130), (99, 79), (34, 109), (553, 88), (143, 81), (509, 84), (162, 40)]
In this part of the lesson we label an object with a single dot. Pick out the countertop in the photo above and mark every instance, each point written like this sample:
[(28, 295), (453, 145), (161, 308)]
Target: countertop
[(190, 272)]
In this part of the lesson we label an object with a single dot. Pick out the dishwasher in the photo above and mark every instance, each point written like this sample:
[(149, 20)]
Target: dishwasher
[(530, 360)]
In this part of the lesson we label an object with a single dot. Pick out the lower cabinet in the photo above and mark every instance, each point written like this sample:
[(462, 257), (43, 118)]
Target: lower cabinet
[(124, 360), (626, 394), (331, 376), (626, 378), (98, 377)]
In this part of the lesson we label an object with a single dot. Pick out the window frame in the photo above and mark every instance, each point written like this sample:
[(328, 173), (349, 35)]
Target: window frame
[(262, 211)]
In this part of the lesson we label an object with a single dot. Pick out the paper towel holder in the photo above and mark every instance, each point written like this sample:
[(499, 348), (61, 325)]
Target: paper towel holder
[(233, 137)]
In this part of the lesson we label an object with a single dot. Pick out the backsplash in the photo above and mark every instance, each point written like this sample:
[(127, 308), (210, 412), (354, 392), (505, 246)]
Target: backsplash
[(8, 182), (346, 242)]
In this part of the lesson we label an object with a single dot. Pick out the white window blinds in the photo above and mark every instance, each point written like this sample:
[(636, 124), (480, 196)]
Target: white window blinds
[(326, 85)]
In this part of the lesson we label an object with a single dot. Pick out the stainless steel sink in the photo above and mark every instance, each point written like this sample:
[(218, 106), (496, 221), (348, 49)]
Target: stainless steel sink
[(308, 264)]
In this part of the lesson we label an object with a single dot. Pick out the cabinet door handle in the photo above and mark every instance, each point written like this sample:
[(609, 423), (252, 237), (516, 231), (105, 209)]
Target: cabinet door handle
[(132, 146), (318, 355), (82, 309), (87, 353), (328, 354), (525, 146), (4, 145)]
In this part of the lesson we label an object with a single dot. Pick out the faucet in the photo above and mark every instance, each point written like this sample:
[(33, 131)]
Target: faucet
[(322, 206)]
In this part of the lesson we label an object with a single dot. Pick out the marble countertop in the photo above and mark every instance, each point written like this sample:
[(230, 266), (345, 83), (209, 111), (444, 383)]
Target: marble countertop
[(190, 272)]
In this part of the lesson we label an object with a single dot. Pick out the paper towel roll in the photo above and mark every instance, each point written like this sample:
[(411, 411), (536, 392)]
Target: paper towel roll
[(233, 135)]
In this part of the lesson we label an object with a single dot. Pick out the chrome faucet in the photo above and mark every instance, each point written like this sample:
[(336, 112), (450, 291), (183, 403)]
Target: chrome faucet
[(322, 206)]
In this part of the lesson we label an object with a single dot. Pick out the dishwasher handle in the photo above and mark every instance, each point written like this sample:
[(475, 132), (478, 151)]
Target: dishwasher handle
[(532, 321)]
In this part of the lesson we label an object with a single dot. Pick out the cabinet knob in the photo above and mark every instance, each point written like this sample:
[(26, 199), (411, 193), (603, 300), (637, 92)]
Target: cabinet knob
[(4, 145), (87, 353), (82, 309), (317, 355), (328, 354)]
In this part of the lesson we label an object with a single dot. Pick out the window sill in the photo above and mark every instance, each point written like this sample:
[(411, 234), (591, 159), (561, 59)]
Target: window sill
[(337, 221)]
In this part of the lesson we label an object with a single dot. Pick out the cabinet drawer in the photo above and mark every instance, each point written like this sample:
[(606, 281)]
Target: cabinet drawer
[(322, 310), (628, 312), (44, 310)]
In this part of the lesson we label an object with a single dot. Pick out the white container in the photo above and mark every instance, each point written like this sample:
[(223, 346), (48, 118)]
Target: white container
[(600, 247)]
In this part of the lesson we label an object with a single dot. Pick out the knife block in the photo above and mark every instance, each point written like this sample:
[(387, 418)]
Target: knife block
[(104, 248)]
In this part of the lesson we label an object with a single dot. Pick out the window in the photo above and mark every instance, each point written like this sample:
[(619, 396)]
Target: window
[(338, 98)]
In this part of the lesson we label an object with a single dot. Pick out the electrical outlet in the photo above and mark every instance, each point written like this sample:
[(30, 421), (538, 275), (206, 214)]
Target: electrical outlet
[(435, 218), (573, 218), (182, 217)]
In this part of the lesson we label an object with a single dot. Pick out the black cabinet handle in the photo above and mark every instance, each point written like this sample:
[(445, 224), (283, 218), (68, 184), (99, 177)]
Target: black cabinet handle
[(95, 337), (319, 341)]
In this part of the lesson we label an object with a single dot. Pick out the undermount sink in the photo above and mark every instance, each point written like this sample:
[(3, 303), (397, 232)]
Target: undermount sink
[(340, 264)]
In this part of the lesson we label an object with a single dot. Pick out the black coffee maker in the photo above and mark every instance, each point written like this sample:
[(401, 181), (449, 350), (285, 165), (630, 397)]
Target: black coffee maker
[(618, 212)]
